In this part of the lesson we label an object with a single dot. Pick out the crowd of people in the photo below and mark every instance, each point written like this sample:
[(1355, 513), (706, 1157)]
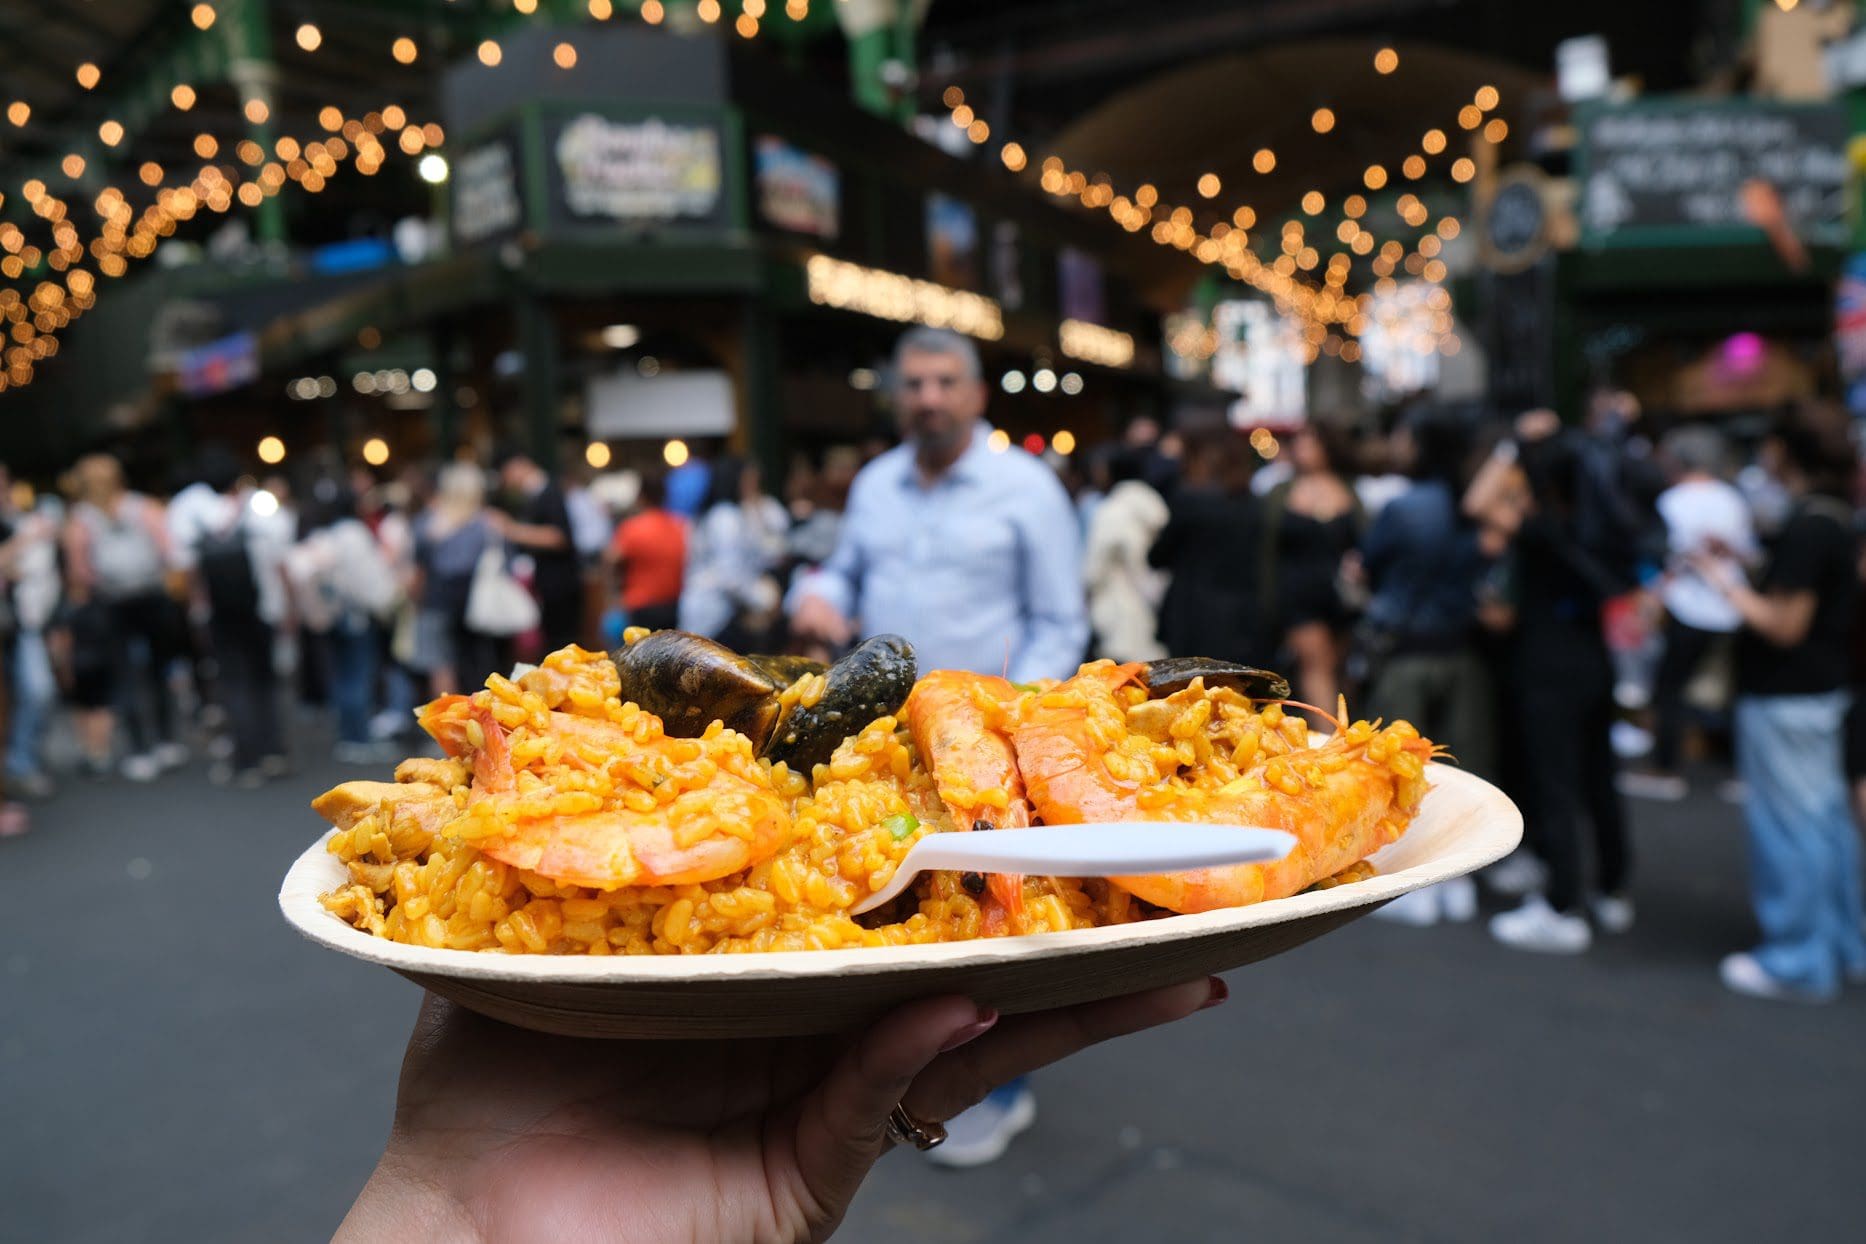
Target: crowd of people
[(1532, 592)]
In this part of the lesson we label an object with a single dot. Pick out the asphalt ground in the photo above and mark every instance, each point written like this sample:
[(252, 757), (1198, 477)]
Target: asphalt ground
[(176, 1064)]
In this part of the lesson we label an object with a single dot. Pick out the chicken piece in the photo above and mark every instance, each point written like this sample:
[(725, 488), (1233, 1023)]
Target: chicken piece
[(343, 806), (445, 773)]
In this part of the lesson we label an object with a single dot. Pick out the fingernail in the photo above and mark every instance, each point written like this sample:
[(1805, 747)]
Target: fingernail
[(1220, 991), (972, 1031)]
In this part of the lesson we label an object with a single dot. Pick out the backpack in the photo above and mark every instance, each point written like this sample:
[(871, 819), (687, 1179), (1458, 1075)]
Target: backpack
[(226, 569)]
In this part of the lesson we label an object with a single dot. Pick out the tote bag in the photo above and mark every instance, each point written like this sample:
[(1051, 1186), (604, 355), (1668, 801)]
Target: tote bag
[(497, 603)]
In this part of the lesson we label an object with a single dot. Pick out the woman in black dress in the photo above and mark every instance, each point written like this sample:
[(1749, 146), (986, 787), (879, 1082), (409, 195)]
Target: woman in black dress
[(1313, 520), (1210, 545)]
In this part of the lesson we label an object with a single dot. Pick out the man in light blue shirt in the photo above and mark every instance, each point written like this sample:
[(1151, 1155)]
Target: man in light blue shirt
[(973, 555)]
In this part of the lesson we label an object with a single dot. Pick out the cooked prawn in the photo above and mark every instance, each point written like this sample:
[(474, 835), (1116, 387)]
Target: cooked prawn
[(724, 818), (1342, 799), (953, 717)]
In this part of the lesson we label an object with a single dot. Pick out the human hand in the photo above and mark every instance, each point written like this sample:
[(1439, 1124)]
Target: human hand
[(1353, 569), (507, 1135), (1535, 425), (816, 618), (1719, 572)]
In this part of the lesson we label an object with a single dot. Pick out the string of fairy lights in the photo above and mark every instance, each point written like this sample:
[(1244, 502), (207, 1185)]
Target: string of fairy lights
[(242, 173), (1328, 315)]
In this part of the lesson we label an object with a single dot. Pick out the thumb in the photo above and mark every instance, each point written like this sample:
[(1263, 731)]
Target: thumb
[(842, 1125)]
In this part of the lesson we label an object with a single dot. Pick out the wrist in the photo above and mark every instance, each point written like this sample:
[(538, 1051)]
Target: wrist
[(400, 1203)]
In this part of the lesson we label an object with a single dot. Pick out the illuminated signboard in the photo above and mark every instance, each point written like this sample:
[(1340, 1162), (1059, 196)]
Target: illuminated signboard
[(1094, 344), (891, 296)]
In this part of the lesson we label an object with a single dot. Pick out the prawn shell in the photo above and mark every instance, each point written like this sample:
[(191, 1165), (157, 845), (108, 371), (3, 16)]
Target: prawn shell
[(689, 681), (872, 681), (1164, 677)]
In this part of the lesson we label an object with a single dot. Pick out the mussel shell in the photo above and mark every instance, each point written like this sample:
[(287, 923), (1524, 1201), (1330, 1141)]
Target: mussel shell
[(786, 669), (871, 681), (688, 681), (1176, 674)]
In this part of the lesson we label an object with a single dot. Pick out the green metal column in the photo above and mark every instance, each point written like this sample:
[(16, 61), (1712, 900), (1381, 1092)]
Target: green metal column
[(867, 54), (764, 426), (538, 342), (446, 408), (252, 70)]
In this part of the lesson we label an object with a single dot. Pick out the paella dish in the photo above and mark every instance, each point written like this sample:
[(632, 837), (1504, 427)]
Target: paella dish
[(676, 797)]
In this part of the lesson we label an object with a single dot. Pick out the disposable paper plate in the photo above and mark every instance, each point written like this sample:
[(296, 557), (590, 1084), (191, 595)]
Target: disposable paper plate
[(1463, 825)]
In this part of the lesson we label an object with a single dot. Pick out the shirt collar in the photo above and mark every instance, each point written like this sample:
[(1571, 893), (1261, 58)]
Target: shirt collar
[(969, 467)]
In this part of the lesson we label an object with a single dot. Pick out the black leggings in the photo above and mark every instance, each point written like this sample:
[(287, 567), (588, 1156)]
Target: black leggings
[(1685, 649), (148, 632), (1566, 702), (249, 687)]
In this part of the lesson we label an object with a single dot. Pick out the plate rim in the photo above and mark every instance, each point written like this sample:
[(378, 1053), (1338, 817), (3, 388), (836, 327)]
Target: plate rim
[(311, 875)]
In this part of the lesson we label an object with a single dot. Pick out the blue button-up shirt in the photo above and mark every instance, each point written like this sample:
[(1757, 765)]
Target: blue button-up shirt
[(979, 568)]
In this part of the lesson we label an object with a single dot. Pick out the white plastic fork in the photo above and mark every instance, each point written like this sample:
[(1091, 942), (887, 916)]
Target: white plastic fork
[(1109, 849)]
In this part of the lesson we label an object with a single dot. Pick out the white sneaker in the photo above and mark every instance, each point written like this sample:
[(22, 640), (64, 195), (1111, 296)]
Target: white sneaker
[(1613, 913), (171, 755), (388, 725), (1664, 787), (1457, 898), (1517, 874), (1537, 926), (141, 768), (1743, 973), (1418, 909), (984, 1132)]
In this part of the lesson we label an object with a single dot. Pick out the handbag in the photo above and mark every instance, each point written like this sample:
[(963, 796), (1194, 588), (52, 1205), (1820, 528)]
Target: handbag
[(497, 603)]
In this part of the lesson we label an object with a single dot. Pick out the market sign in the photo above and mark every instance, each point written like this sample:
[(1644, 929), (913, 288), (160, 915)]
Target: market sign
[(1675, 172), (218, 366), (891, 296), (1092, 343), (637, 172), (486, 201), (797, 191)]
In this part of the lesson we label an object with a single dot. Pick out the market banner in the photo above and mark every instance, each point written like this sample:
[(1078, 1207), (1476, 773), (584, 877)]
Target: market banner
[(797, 191), (636, 172)]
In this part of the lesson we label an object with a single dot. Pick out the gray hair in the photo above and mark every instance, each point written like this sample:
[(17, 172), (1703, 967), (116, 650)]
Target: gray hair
[(1697, 449), (924, 340)]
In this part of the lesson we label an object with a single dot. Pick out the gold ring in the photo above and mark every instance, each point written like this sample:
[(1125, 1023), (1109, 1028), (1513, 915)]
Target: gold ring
[(904, 1129)]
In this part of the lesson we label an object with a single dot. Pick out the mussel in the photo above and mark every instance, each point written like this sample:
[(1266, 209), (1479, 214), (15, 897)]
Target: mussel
[(1172, 674), (871, 681), (688, 681)]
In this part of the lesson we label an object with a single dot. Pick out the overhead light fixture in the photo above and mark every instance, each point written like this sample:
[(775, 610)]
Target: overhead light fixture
[(1013, 382), (433, 168), (620, 336), (863, 378), (1043, 380)]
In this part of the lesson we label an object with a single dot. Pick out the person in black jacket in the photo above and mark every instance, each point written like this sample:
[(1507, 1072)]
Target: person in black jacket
[(1211, 545), (1573, 552)]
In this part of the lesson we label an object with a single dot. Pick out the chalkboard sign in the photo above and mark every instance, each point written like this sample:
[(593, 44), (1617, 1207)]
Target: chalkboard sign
[(487, 202), (1672, 172)]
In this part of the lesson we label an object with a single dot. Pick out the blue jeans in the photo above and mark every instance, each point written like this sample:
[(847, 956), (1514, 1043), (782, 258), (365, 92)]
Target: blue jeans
[(35, 691), (352, 648), (1803, 848)]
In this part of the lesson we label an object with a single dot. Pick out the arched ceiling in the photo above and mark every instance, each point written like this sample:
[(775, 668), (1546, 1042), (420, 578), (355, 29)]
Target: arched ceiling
[(1214, 115)]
